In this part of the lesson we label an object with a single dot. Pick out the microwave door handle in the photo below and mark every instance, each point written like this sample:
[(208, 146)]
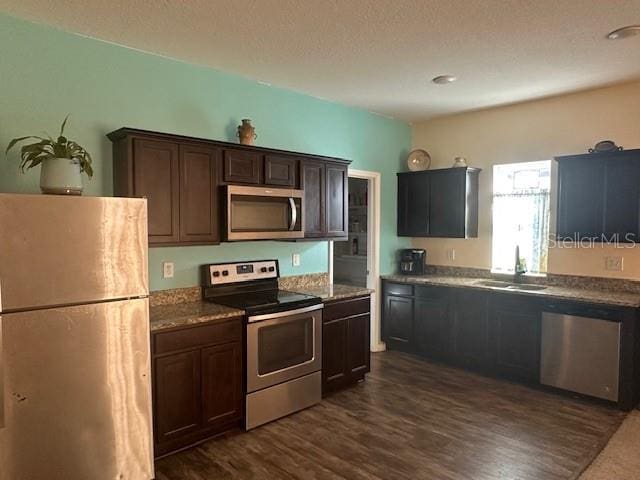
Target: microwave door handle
[(294, 213)]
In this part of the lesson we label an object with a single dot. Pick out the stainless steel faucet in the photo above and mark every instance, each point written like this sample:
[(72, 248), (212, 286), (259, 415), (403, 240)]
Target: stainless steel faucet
[(519, 270)]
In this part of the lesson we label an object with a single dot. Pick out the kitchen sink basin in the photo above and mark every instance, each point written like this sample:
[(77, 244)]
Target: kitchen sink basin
[(511, 286)]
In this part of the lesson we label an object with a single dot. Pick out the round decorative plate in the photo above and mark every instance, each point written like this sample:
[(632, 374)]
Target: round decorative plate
[(418, 160)]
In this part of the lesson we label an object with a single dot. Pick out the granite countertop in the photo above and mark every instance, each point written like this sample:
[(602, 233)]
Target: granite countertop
[(335, 291), (191, 313), (605, 297)]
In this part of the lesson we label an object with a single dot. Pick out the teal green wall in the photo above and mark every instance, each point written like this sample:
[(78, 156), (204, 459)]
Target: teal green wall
[(46, 73)]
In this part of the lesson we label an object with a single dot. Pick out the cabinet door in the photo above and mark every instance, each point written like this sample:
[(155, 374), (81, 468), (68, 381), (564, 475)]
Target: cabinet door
[(515, 337), (156, 177), (222, 384), (413, 205), (282, 171), (335, 373), (359, 341), (431, 322), (580, 197), (242, 167), (177, 403), (470, 328), (447, 203), (199, 214), (313, 183), (398, 322), (622, 199), (337, 200)]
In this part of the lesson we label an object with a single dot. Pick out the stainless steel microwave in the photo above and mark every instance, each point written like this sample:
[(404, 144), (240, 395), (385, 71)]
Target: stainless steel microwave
[(262, 213)]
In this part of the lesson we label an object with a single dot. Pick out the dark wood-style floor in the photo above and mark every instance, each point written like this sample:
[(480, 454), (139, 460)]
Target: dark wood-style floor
[(413, 420)]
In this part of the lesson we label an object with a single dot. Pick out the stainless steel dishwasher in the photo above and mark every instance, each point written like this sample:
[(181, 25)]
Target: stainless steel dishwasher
[(580, 349)]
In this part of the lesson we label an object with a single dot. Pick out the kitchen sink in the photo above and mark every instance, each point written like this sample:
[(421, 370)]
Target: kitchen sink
[(511, 286)]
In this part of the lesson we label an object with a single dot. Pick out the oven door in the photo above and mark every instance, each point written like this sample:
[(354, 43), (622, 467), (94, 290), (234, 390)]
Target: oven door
[(283, 346), (256, 213)]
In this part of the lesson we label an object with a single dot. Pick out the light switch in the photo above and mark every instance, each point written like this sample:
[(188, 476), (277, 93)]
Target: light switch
[(295, 259), (451, 254), (167, 270)]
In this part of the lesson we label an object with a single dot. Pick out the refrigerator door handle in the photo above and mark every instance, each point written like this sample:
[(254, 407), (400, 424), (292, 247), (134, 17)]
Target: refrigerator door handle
[(2, 419)]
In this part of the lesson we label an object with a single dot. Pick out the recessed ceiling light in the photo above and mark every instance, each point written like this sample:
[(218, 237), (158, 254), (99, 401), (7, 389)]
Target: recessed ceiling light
[(624, 32), (444, 79)]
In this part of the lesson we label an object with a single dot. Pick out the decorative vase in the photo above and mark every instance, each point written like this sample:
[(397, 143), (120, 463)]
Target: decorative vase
[(61, 176), (459, 162), (246, 132)]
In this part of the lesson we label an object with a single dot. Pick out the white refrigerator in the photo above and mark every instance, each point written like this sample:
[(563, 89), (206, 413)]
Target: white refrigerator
[(75, 394)]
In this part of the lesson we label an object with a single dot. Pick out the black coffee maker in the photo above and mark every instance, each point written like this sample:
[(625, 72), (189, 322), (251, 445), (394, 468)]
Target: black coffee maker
[(413, 261)]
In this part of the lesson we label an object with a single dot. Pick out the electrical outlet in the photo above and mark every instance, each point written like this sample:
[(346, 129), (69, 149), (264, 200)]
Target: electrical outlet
[(167, 270), (614, 263), (295, 259), (451, 254)]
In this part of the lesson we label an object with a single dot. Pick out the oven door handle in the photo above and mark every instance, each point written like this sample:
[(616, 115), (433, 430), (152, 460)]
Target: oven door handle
[(288, 313), (294, 214)]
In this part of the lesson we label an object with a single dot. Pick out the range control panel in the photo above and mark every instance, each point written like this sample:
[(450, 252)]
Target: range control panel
[(223, 273)]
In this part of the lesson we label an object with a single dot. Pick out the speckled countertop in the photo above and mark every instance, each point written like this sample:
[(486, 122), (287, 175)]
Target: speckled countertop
[(180, 314), (605, 297), (332, 292), (190, 313)]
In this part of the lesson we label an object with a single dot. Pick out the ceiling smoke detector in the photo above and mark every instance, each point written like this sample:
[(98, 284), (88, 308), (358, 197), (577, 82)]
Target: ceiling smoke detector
[(624, 32), (444, 79)]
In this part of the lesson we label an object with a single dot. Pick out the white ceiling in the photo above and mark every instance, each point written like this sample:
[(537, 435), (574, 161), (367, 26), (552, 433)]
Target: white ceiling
[(376, 54)]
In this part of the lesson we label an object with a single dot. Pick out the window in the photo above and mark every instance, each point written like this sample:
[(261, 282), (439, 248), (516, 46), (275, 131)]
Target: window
[(521, 215)]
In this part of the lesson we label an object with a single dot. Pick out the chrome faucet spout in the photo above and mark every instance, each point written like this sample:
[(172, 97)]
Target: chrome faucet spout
[(519, 269)]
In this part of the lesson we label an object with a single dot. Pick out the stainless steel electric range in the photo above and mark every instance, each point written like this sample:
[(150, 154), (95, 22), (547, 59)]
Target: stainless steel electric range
[(283, 337)]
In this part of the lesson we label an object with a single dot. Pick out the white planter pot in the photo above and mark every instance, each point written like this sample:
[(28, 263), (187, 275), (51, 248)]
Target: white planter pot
[(61, 176)]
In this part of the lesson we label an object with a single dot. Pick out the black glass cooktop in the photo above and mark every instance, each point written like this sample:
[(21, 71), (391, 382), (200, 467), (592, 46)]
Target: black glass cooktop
[(267, 301)]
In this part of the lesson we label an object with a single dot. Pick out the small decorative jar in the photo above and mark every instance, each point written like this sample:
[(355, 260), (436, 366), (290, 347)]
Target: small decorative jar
[(459, 162), (246, 132)]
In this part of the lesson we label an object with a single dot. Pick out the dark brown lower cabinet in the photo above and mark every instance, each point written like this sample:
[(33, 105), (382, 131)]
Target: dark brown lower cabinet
[(197, 383), (432, 327), (515, 336), (470, 323), (398, 322), (345, 343)]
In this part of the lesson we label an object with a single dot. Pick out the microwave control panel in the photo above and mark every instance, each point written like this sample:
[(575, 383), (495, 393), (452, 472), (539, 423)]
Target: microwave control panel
[(238, 272)]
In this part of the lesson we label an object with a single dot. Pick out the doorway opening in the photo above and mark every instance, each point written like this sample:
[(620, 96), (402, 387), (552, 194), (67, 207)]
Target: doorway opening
[(350, 258), (356, 261)]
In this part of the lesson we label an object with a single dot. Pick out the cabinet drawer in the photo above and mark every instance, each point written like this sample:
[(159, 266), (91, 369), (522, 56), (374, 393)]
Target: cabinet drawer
[(195, 337), (242, 167), (429, 292), (398, 289), (346, 308)]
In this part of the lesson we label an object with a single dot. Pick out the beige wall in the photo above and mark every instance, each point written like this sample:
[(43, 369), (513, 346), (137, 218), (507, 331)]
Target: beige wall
[(532, 131)]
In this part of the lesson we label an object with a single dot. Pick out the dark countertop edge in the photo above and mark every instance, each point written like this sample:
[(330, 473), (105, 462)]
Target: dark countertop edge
[(542, 294)]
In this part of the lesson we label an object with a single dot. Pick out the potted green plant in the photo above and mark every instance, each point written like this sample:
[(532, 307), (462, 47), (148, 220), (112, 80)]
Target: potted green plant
[(63, 162)]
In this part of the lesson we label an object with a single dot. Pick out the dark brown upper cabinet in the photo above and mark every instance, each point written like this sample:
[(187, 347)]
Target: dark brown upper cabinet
[(281, 171), (155, 175), (180, 184), (312, 180), (438, 203), (599, 196), (199, 215), (326, 190), (242, 167), (181, 179)]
